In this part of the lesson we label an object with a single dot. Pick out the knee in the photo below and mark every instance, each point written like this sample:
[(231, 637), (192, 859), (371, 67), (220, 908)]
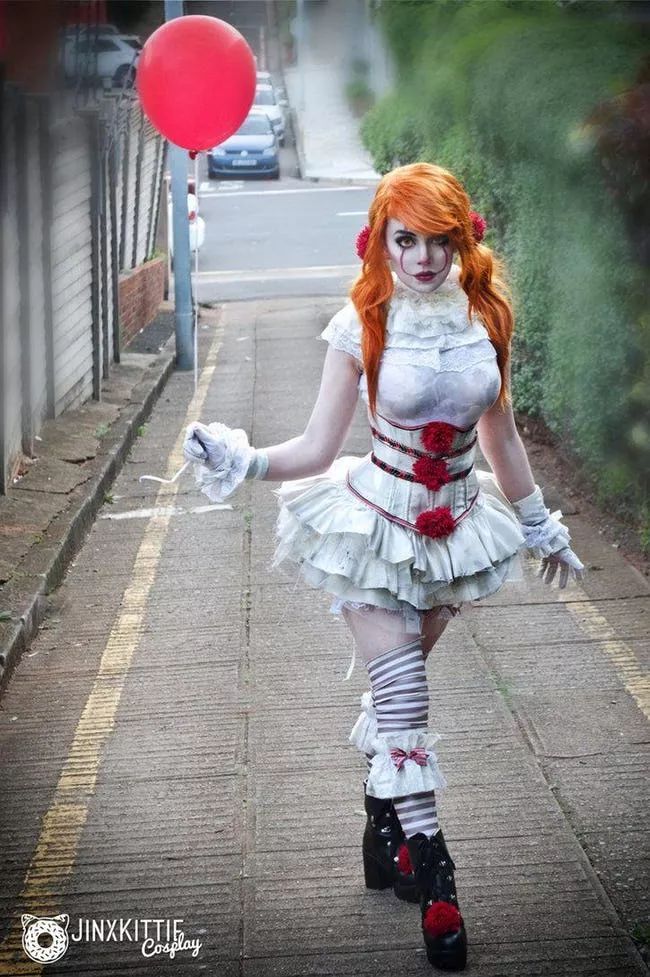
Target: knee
[(434, 623)]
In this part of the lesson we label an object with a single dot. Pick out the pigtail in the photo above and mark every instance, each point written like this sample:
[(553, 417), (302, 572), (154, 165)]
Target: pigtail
[(481, 277), (370, 294)]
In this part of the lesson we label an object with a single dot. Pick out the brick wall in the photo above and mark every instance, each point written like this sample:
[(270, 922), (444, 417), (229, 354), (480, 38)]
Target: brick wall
[(140, 293)]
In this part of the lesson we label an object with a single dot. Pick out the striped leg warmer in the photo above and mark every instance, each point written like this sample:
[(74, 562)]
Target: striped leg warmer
[(401, 699)]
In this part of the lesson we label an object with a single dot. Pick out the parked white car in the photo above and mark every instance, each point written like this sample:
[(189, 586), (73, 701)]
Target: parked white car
[(264, 78), (103, 53), (266, 101), (197, 224)]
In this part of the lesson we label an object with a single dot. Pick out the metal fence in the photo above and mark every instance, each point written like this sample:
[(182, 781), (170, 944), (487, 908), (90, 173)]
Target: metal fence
[(80, 193)]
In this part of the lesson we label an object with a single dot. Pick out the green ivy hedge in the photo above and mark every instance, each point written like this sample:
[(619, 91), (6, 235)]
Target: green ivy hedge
[(503, 94)]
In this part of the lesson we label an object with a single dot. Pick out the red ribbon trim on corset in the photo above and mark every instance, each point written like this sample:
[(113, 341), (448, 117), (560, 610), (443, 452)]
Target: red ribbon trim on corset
[(421, 454), (420, 427), (404, 522), (442, 479)]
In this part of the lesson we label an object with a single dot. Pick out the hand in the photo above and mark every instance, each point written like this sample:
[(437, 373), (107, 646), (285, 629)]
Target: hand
[(567, 561), (204, 445), (222, 456)]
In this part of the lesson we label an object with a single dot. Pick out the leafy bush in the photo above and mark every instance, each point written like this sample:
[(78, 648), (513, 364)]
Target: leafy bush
[(529, 105)]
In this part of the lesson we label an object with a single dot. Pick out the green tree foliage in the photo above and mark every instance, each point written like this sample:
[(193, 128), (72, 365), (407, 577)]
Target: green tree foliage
[(541, 110)]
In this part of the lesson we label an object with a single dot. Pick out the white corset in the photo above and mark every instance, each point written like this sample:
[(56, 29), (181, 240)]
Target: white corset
[(436, 365)]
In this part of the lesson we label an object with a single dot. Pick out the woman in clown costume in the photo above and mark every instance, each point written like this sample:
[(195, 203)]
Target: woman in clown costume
[(404, 536)]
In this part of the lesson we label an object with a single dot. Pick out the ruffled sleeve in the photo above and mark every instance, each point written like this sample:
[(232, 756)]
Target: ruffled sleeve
[(343, 331)]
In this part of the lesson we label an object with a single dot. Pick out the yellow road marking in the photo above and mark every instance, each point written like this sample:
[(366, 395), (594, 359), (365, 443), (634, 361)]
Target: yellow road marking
[(629, 669), (56, 849)]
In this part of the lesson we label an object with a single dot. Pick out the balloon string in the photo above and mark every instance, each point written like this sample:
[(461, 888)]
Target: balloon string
[(195, 285), (165, 481)]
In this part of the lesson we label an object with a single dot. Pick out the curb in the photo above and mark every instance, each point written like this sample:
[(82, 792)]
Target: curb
[(46, 563), (297, 139), (302, 161)]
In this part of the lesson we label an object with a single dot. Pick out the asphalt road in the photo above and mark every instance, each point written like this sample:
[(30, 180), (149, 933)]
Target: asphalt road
[(270, 238)]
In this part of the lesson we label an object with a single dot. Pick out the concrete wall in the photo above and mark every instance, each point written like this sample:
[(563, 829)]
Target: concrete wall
[(80, 192)]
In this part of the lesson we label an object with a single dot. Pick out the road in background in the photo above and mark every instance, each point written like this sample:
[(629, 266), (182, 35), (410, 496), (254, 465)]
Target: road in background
[(270, 238)]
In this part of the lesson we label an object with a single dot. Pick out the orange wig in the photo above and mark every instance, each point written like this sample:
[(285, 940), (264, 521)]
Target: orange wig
[(429, 200)]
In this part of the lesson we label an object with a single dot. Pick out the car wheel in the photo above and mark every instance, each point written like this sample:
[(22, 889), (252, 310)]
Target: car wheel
[(124, 77), (275, 175)]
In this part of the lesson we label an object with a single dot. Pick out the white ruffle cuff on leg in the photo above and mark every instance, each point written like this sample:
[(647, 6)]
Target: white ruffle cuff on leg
[(404, 763), (364, 730)]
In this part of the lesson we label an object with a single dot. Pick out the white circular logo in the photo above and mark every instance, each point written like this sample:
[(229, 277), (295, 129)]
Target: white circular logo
[(46, 939)]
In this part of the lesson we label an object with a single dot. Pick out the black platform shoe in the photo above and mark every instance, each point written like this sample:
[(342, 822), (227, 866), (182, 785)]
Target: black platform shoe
[(386, 861), (443, 928)]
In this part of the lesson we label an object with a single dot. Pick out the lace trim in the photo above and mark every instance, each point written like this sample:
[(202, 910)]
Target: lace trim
[(455, 358), (337, 334), (436, 313)]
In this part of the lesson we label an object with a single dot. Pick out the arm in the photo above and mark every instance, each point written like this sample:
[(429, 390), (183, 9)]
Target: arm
[(315, 449), (545, 535), (504, 451)]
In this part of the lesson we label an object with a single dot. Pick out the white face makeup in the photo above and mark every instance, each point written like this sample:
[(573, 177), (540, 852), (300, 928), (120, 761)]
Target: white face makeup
[(421, 262)]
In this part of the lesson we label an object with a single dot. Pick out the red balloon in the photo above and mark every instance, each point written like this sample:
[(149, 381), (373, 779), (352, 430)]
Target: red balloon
[(196, 79)]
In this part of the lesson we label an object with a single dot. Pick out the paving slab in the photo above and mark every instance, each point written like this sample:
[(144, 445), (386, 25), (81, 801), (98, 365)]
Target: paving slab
[(213, 780)]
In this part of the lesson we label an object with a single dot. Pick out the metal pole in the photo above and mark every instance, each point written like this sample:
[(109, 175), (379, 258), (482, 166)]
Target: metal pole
[(181, 237)]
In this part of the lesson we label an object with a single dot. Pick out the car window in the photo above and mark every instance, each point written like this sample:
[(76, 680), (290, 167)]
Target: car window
[(257, 125), (104, 44)]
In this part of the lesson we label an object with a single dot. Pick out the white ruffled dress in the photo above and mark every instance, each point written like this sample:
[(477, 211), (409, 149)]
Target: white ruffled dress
[(350, 529)]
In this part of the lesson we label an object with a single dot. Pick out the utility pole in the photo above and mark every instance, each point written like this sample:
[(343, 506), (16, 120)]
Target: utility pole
[(181, 235)]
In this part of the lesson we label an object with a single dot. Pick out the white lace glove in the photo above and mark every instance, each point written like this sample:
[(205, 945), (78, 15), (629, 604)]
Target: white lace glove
[(567, 561), (547, 538), (222, 456)]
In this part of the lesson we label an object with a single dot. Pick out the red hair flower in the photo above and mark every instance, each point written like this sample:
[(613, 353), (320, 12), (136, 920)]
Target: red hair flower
[(432, 472), (436, 522), (438, 437), (362, 241), (440, 918), (479, 224)]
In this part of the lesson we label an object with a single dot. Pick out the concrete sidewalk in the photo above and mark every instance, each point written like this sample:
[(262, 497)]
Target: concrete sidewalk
[(49, 508), (174, 745), (327, 139)]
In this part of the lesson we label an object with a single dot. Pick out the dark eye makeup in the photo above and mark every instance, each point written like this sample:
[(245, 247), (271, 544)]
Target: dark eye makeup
[(407, 240)]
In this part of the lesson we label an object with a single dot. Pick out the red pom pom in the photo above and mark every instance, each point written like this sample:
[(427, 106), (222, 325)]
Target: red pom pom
[(362, 241), (438, 437), (441, 918), (436, 522), (404, 860), (479, 224), (432, 472)]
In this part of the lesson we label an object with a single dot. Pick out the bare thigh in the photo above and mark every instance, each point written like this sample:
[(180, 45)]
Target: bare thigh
[(375, 630), (434, 622)]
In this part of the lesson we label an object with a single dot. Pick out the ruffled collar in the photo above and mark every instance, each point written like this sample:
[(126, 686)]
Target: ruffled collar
[(430, 315)]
